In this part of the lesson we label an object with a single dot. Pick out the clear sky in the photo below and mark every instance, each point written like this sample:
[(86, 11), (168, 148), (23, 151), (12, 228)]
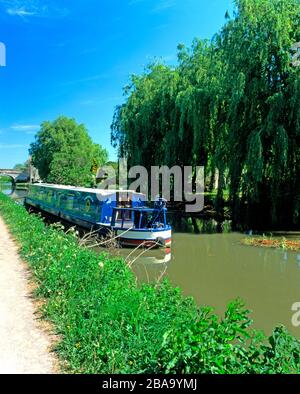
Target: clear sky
[(73, 57)]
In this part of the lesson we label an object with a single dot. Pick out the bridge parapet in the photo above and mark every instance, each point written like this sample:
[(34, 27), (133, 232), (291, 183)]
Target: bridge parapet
[(15, 175), (7, 171), (29, 175)]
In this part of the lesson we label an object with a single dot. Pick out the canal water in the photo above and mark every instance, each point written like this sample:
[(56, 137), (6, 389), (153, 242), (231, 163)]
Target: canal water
[(17, 194), (216, 269)]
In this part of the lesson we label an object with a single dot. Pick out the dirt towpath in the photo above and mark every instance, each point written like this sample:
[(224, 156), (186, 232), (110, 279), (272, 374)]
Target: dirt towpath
[(24, 346)]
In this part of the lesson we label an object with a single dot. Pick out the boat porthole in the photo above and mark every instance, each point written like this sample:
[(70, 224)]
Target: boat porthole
[(88, 205)]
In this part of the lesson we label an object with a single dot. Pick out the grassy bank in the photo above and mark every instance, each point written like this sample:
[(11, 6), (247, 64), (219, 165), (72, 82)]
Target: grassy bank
[(107, 324), (282, 243)]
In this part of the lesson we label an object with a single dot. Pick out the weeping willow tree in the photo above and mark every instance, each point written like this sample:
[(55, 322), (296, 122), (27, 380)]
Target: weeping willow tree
[(141, 127), (231, 104), (262, 140)]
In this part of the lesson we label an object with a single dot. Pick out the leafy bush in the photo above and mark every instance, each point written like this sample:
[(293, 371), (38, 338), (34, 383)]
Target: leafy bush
[(108, 324)]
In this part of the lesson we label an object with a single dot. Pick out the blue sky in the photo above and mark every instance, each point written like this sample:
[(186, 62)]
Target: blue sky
[(74, 57)]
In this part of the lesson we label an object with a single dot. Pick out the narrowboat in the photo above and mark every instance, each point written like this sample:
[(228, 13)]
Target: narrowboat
[(122, 212)]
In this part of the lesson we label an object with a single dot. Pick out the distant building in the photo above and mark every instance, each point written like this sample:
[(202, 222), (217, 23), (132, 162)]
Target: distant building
[(34, 174)]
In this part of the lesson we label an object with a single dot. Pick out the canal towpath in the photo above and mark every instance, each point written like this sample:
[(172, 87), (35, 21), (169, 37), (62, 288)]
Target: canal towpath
[(24, 344)]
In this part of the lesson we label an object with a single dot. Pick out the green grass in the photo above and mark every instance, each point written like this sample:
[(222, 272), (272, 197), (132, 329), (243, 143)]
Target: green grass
[(108, 324)]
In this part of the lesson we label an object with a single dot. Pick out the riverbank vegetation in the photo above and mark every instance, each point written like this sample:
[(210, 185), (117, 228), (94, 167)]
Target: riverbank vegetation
[(64, 153), (5, 179), (108, 324), (231, 105), (268, 242)]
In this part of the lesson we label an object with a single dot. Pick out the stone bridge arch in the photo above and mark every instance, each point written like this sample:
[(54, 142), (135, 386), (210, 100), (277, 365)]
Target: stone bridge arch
[(11, 177), (12, 174), (13, 181), (29, 175)]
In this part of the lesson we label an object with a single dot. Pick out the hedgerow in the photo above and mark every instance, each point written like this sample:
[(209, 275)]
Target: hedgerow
[(108, 324)]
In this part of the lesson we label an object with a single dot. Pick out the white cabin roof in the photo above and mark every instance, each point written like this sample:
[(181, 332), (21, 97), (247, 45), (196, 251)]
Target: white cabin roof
[(103, 192)]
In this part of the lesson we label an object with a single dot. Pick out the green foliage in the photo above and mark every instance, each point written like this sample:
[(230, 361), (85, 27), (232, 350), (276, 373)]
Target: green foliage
[(108, 324), (22, 167), (64, 153), (228, 346), (5, 179), (231, 104)]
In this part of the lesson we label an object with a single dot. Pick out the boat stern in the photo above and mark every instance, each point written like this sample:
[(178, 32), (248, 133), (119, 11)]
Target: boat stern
[(151, 238)]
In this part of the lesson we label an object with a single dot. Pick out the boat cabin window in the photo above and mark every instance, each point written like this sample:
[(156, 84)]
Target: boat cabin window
[(50, 196), (42, 194), (142, 219), (124, 200), (139, 219), (123, 218), (148, 219), (70, 201), (60, 200)]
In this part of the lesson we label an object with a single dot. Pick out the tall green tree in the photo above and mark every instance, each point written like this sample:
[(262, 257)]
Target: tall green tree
[(22, 166), (232, 105), (63, 152), (262, 124)]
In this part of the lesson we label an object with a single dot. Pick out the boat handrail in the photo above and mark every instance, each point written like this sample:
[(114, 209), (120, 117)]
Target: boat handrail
[(139, 209)]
